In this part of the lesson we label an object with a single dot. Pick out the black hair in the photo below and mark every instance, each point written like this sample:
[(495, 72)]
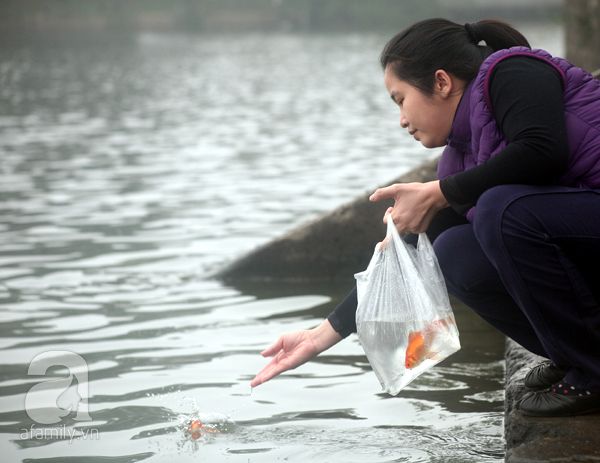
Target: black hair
[(417, 52)]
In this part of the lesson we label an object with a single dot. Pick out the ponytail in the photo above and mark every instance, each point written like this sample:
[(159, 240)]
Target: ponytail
[(416, 53), (498, 35)]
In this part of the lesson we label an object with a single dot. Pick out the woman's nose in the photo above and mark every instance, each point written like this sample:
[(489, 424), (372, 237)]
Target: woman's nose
[(403, 121)]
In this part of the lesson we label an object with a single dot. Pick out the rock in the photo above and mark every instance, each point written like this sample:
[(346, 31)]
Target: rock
[(334, 246)]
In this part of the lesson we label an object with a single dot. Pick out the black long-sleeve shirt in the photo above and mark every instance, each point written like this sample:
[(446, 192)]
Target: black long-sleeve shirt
[(526, 95)]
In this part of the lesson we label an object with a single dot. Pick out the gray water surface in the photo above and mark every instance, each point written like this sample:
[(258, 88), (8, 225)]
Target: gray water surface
[(131, 168)]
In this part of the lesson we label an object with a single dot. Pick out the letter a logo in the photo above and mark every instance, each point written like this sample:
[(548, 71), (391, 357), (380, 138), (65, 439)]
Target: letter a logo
[(41, 402)]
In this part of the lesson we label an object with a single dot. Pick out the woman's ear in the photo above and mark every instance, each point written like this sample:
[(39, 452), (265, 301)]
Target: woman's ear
[(443, 83)]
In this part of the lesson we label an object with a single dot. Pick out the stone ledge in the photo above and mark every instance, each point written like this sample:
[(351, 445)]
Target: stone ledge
[(334, 246), (543, 440)]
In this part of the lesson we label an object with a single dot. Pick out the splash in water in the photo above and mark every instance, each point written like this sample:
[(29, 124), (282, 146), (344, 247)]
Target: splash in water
[(197, 429), (202, 426)]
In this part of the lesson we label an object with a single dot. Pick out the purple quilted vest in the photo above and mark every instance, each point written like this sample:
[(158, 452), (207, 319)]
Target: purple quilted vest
[(476, 137)]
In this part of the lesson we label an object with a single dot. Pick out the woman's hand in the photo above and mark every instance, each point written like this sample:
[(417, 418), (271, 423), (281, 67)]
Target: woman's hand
[(296, 348), (415, 204)]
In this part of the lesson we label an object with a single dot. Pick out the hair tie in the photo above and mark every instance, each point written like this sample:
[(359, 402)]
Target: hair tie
[(473, 32)]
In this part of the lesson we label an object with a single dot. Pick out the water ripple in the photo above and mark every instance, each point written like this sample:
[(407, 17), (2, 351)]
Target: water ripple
[(131, 167)]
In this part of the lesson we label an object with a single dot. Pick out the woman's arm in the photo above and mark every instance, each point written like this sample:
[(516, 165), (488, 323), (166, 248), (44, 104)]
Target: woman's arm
[(526, 94)]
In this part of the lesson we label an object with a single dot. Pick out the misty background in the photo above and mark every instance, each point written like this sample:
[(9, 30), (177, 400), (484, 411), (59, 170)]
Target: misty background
[(93, 16)]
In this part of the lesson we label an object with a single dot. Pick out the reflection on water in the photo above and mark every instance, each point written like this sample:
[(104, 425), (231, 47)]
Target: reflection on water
[(130, 169)]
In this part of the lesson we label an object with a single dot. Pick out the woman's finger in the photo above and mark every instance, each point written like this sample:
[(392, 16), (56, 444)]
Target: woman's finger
[(387, 214), (384, 193), (274, 348)]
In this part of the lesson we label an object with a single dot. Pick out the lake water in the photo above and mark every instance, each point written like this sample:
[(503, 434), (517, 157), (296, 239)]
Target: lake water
[(131, 168)]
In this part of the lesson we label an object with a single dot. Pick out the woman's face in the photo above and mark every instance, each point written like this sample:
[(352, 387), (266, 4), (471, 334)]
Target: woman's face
[(427, 118)]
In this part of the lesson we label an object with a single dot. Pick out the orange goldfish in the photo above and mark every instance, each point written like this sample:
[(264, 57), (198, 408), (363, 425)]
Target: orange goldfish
[(195, 426), (196, 429), (419, 344)]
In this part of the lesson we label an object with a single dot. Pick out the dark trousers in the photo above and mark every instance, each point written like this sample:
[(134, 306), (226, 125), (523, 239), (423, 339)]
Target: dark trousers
[(530, 265)]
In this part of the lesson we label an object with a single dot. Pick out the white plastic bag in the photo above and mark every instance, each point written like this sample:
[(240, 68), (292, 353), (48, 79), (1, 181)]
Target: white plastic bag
[(404, 320)]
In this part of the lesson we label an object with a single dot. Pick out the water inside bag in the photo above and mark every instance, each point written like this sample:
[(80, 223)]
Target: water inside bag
[(418, 347)]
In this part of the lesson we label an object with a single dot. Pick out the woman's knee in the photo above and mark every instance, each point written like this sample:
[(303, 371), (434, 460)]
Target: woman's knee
[(451, 248), (467, 270), (490, 209)]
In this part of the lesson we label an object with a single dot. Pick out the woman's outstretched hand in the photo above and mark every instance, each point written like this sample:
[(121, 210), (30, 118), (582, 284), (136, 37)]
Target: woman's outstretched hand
[(296, 348), (415, 204)]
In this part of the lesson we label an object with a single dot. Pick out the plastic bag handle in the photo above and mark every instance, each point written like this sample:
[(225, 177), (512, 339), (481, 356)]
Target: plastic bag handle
[(400, 245), (426, 263)]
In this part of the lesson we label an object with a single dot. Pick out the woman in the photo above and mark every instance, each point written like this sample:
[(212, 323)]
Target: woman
[(515, 214)]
